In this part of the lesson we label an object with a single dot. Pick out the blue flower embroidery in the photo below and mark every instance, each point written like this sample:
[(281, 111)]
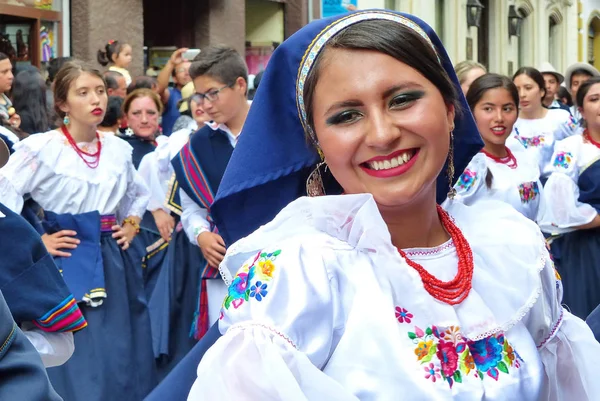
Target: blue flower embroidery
[(258, 291)]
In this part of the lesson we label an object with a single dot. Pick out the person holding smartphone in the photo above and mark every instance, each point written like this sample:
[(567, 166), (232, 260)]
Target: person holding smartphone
[(177, 67)]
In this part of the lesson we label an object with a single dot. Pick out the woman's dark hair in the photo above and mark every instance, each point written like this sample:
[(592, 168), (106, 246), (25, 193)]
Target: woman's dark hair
[(488, 82), (478, 89), (55, 65), (564, 96), (113, 47), (142, 82), (534, 74), (393, 39), (29, 101), (65, 78), (113, 111), (585, 88), (3, 56)]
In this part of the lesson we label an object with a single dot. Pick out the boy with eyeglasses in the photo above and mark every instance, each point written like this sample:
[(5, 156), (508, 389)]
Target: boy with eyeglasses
[(220, 79)]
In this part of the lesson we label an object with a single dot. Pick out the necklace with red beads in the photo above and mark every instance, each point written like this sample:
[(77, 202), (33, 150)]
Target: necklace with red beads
[(455, 291), (82, 153), (588, 137), (510, 160)]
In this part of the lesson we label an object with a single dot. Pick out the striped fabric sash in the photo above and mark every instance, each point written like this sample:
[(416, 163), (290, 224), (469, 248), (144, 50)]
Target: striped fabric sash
[(196, 178), (107, 222), (63, 318)]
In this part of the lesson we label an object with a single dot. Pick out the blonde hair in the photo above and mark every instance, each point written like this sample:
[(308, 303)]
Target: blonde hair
[(140, 93), (463, 68)]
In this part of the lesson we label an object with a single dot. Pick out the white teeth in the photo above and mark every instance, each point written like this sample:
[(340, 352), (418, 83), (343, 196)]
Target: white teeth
[(391, 163)]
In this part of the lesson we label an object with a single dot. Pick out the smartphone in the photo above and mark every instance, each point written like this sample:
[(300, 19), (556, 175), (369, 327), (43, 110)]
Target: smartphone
[(190, 54)]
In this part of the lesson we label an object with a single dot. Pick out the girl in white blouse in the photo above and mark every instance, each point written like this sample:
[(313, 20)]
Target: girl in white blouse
[(498, 172), (93, 200), (538, 128)]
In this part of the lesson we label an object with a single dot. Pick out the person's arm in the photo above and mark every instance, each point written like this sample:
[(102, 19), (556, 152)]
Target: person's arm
[(167, 72)]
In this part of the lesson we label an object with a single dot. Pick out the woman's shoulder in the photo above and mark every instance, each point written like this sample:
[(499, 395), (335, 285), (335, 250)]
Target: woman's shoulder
[(559, 115), (46, 141)]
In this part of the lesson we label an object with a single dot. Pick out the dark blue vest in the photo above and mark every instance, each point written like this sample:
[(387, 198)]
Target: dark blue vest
[(589, 186)]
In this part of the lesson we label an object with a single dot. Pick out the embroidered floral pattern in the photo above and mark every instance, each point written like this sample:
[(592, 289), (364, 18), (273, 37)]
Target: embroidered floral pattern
[(403, 315), (529, 191), (563, 159), (467, 180), (251, 281), (453, 357), (572, 123), (431, 372), (534, 141)]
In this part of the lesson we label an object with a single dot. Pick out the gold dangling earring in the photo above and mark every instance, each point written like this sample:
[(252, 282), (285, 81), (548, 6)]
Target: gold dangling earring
[(314, 183), (450, 170)]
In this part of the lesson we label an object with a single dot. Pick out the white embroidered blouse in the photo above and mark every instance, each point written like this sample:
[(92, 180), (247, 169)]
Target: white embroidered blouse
[(324, 308), (47, 167)]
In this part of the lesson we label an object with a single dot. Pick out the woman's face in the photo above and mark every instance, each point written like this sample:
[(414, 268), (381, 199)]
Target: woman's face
[(530, 93), (86, 100), (383, 127), (495, 114), (198, 113), (470, 77), (142, 117), (591, 108)]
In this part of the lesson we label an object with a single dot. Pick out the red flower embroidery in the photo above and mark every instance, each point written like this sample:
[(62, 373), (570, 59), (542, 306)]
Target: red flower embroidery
[(447, 355)]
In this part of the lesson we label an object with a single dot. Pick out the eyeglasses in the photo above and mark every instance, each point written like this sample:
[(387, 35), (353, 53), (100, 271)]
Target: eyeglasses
[(211, 96)]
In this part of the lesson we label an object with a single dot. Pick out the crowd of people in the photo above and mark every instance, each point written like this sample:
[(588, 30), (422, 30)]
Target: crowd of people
[(375, 224)]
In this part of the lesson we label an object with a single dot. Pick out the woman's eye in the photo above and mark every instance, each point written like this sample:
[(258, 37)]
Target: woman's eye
[(82, 93), (344, 117), (488, 109), (508, 109), (405, 99)]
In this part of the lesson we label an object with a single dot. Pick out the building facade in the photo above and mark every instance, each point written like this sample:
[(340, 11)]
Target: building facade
[(557, 31)]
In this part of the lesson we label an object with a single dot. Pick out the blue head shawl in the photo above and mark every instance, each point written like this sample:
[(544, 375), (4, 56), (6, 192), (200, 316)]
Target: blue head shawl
[(272, 160)]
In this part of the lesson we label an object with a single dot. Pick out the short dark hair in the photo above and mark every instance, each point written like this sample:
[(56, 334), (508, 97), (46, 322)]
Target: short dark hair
[(585, 88), (488, 82), (535, 75), (141, 82), (563, 93), (3, 56), (111, 79), (395, 40), (220, 62), (113, 111), (580, 71), (55, 65)]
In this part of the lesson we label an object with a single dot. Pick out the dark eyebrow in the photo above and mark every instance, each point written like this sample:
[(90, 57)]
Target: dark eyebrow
[(405, 85), (345, 103)]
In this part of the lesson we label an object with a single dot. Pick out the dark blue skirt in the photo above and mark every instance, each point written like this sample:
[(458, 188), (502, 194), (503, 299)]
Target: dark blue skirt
[(150, 247), (113, 357), (174, 302), (578, 263)]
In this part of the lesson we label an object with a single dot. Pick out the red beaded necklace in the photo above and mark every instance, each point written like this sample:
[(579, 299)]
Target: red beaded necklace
[(80, 152), (510, 160), (588, 137), (455, 291)]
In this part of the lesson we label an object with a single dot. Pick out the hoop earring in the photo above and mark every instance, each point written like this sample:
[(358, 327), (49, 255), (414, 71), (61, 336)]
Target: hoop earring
[(66, 119), (450, 169), (314, 183)]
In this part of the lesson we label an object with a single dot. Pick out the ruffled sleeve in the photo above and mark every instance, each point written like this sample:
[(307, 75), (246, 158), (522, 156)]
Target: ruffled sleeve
[(155, 181), (23, 172), (281, 324), (471, 184), (563, 210), (567, 347), (567, 125), (136, 197)]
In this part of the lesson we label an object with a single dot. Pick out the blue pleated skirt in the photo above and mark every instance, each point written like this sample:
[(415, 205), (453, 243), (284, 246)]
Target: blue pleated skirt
[(113, 357), (577, 256), (174, 302)]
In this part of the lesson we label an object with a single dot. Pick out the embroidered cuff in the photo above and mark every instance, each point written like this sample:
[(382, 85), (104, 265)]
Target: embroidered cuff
[(64, 317)]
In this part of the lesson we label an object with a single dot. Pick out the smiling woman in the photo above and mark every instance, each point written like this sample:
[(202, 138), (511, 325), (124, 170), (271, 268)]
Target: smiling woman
[(378, 293), (497, 172)]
